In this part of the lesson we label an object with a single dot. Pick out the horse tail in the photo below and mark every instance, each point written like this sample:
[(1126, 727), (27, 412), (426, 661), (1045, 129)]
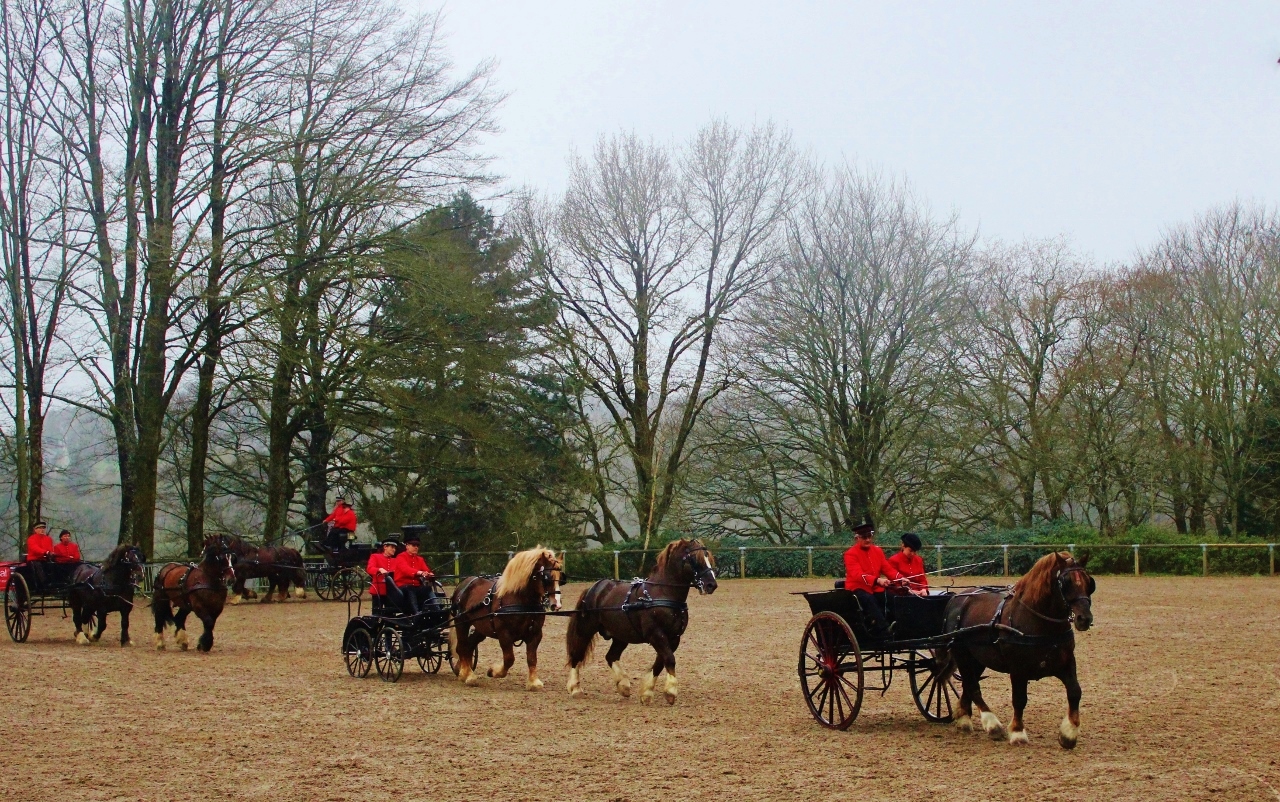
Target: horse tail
[(580, 640), (160, 607)]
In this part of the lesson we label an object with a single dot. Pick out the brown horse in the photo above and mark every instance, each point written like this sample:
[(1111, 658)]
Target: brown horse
[(199, 589), (1026, 634), (279, 565), (509, 608), (652, 611)]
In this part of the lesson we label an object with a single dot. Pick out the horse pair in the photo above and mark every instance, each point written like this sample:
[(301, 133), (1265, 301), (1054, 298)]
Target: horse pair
[(512, 608)]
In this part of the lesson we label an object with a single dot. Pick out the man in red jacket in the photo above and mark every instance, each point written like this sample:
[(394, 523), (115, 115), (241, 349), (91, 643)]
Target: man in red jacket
[(342, 522), (381, 565), (39, 552), (909, 563), (867, 573), (66, 551), (412, 576)]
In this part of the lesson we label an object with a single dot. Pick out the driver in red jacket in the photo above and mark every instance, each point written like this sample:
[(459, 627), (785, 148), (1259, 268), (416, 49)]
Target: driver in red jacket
[(342, 523), (39, 552), (412, 576), (867, 572)]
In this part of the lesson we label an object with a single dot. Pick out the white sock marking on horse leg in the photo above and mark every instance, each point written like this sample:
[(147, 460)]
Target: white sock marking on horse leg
[(964, 723), (646, 687), (1068, 733), (300, 593), (991, 725), (498, 670), (1018, 736), (82, 639), (180, 638), (234, 599), (620, 679), (534, 684), (575, 682), (670, 691), (159, 642)]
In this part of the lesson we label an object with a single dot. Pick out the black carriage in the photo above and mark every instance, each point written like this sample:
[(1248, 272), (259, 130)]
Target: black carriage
[(32, 589), (840, 658), (386, 638), (337, 574)]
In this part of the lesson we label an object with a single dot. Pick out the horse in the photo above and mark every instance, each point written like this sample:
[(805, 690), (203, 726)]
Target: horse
[(653, 611), (95, 591), (199, 589), (1027, 634), (279, 565), (509, 608)]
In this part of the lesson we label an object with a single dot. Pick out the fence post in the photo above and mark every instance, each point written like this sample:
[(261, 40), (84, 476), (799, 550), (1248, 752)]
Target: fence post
[(1006, 559), (615, 565), (938, 547), (810, 549), (1137, 569), (1204, 559), (457, 563), (742, 562), (1071, 548), (1272, 549)]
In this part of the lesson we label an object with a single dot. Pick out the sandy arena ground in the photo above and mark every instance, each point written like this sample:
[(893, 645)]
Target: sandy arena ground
[(1181, 682)]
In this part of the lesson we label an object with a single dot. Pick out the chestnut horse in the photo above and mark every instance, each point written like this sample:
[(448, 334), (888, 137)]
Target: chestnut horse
[(1027, 635), (652, 611), (199, 589), (95, 591), (279, 565), (509, 608)]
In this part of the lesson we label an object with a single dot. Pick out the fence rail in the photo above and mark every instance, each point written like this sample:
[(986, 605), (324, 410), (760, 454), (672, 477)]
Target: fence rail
[(1013, 559)]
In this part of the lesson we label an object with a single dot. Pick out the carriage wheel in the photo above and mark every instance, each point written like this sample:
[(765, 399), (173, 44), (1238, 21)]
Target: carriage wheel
[(935, 685), (830, 670), (430, 663), (358, 652), (17, 608), (353, 584), (324, 585), (389, 656)]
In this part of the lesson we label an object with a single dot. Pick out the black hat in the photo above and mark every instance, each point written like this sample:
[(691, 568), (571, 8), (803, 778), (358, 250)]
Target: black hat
[(912, 540), (388, 542), (65, 532), (40, 524), (340, 498), (412, 539), (865, 529)]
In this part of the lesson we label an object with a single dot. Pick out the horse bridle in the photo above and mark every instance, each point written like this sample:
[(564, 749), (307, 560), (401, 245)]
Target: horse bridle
[(699, 570), (1059, 587), (546, 575)]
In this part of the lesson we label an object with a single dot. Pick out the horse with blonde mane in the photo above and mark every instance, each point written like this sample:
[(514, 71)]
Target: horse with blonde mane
[(1027, 634), (509, 608), (652, 611)]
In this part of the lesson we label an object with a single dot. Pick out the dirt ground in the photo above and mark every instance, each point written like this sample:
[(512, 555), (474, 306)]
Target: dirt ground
[(1181, 682)]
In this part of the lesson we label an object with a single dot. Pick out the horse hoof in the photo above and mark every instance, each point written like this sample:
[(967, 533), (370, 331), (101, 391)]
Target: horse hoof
[(1068, 734), (95, 637), (1018, 737), (299, 593), (159, 642), (624, 688), (126, 643), (964, 724), (670, 697), (646, 698), (472, 679), (536, 685), (992, 727), (234, 599), (81, 639), (576, 693)]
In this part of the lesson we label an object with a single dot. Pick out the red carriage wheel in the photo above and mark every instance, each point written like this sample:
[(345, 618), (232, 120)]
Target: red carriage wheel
[(935, 685), (830, 669)]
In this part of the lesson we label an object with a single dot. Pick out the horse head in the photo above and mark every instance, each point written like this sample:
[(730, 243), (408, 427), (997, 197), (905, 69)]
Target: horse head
[(219, 555), (1076, 587), (134, 559), (547, 574), (688, 561)]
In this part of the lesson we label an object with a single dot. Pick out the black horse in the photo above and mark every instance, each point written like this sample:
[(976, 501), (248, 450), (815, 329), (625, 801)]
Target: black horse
[(94, 592)]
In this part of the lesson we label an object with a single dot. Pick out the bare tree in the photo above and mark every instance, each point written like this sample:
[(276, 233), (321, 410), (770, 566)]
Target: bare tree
[(649, 253)]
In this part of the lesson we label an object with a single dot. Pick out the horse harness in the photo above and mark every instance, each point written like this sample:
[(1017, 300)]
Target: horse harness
[(1012, 636)]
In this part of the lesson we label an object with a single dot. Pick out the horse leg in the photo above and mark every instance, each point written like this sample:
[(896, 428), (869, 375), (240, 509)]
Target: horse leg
[(1069, 731), (499, 670), (614, 656), (163, 613), (271, 587), (102, 626), (81, 638), (471, 641), (1017, 732), (282, 585), (531, 657), (238, 593), (650, 678), (579, 639), (970, 670), (125, 640), (669, 659), (990, 721), (180, 628), (205, 643)]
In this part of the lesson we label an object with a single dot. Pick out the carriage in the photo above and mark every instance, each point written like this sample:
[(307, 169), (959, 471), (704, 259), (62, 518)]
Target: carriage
[(25, 596), (388, 636), (337, 574), (840, 658)]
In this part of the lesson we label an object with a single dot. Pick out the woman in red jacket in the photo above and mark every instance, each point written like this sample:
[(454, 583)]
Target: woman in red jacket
[(66, 551), (909, 563)]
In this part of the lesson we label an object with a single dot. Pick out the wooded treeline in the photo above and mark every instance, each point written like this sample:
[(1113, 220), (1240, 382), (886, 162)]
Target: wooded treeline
[(244, 235)]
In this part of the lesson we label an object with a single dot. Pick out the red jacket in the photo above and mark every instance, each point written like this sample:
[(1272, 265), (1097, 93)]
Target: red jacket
[(407, 567), (378, 586), (863, 566), (66, 552), (38, 546), (343, 518), (911, 567)]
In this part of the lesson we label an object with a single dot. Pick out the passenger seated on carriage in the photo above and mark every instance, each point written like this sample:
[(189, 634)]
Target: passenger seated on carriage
[(381, 565), (342, 525), (412, 577), (867, 572), (66, 550), (909, 563), (39, 554)]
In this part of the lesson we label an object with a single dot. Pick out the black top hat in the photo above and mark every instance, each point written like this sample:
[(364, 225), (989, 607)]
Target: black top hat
[(865, 529), (412, 540), (912, 541)]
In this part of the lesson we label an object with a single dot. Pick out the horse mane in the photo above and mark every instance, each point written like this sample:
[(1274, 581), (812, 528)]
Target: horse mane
[(117, 554), (1035, 585), (519, 571), (665, 556)]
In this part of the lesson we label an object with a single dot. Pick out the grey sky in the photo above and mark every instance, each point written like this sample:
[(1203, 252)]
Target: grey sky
[(1104, 122)]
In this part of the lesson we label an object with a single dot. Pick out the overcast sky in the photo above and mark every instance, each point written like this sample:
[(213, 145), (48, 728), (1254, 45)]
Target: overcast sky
[(1104, 122)]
